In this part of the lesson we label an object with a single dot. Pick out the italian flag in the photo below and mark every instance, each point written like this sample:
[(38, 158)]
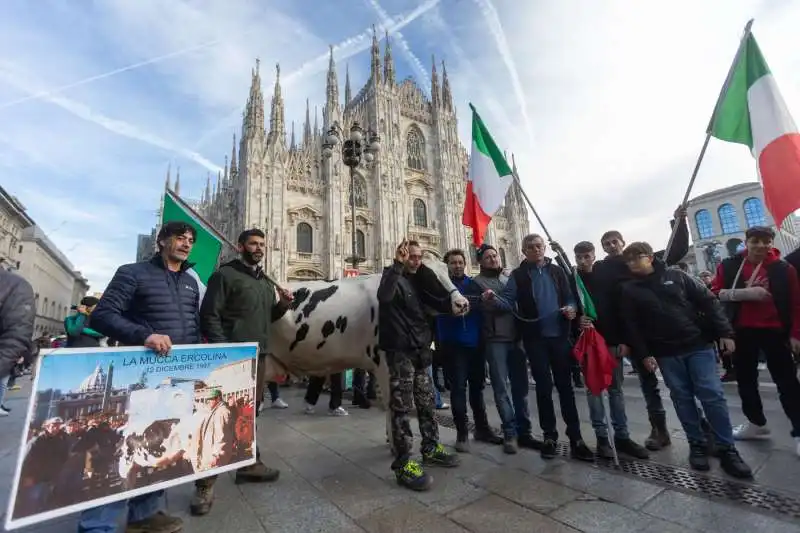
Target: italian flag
[(488, 180), (207, 244), (752, 112)]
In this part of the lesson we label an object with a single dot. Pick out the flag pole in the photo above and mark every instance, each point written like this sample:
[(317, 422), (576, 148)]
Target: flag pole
[(747, 29)]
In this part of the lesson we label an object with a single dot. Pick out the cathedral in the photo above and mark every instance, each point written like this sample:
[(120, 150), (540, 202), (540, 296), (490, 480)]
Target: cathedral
[(413, 188)]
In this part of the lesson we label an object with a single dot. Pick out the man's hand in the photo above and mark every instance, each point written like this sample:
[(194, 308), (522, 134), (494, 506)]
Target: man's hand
[(556, 247), (760, 293), (727, 345), (586, 322), (160, 344), (650, 364), (795, 344), (401, 254), (488, 294), (285, 294), (680, 213), (569, 312)]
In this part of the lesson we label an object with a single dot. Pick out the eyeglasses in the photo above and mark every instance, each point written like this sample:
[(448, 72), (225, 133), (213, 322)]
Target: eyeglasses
[(632, 260)]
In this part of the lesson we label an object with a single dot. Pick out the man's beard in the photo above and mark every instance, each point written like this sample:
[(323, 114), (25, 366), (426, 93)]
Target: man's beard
[(249, 258)]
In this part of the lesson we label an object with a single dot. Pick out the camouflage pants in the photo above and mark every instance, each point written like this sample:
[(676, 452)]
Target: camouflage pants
[(410, 385)]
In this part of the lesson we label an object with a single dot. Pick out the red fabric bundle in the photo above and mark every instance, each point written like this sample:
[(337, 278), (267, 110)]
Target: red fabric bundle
[(595, 359)]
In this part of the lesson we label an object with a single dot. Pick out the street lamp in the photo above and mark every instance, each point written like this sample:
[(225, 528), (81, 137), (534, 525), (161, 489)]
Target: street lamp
[(354, 148)]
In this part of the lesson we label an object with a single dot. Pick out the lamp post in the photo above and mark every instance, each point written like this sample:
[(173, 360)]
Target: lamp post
[(356, 146)]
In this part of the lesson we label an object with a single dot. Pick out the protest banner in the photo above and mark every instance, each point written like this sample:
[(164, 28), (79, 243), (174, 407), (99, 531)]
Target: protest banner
[(108, 424)]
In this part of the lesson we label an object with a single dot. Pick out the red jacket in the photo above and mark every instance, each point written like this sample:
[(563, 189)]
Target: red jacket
[(764, 314)]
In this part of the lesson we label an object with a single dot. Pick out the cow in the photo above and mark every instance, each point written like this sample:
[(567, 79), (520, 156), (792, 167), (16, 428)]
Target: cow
[(332, 326)]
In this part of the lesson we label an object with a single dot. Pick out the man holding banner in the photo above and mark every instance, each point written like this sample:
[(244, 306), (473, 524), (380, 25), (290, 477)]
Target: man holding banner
[(153, 303)]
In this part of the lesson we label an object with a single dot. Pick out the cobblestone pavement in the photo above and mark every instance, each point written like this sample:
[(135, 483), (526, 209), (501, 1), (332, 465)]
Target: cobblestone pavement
[(336, 479)]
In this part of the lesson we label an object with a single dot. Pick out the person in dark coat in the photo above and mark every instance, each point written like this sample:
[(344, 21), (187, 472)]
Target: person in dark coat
[(78, 327), (156, 304), (17, 312)]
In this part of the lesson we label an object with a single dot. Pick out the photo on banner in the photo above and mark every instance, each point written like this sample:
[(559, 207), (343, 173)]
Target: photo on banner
[(108, 424)]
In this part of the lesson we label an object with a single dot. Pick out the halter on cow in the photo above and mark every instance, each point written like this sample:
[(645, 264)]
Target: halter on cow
[(333, 325)]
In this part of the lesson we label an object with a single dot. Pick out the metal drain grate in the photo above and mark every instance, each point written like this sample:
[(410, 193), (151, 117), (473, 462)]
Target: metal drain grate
[(731, 491)]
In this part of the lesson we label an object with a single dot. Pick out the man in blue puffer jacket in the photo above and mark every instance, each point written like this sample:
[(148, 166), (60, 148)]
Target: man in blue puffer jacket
[(459, 338), (155, 304)]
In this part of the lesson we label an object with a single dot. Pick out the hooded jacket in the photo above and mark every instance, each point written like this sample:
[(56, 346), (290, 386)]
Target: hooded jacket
[(461, 330), (497, 324), (17, 312), (782, 311)]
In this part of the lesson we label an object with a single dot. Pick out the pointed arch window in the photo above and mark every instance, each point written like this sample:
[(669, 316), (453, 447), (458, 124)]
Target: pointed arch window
[(420, 213), (361, 244), (705, 226), (360, 189), (415, 149), (728, 219), (754, 214), (305, 239)]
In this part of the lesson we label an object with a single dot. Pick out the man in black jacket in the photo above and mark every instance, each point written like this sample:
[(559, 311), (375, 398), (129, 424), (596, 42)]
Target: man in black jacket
[(673, 319), (608, 275), (17, 312), (155, 304), (405, 336), (239, 306)]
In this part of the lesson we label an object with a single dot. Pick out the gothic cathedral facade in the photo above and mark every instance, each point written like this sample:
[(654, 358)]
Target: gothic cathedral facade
[(414, 188)]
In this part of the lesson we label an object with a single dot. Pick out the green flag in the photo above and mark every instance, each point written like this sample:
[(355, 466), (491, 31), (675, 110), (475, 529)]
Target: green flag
[(207, 245), (587, 304)]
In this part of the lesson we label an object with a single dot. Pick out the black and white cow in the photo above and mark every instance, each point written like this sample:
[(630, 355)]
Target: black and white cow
[(333, 325)]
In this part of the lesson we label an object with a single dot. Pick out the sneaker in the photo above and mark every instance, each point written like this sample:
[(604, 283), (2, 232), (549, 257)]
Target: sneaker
[(749, 431), (529, 441), (629, 447), (443, 406), (257, 473), (604, 449), (279, 404), (439, 456), (158, 523), (509, 446), (488, 435), (309, 410), (4, 411), (733, 464), (15, 387), (580, 451), (698, 456), (339, 411), (413, 476), (548, 449)]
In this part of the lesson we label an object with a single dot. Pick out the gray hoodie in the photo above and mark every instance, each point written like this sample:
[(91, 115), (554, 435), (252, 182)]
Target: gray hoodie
[(497, 325)]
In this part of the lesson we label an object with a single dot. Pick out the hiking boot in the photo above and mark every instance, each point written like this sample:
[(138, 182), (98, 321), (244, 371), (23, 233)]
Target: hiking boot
[(361, 401), (630, 447), (488, 435), (462, 442), (580, 451), (529, 441), (439, 456), (733, 464), (257, 473), (509, 446), (548, 450), (659, 434), (202, 500), (158, 523), (698, 456), (604, 449), (413, 476)]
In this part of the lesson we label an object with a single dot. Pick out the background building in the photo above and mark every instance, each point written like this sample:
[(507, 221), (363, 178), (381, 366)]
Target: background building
[(413, 189), (13, 220), (718, 221), (56, 283), (145, 246)]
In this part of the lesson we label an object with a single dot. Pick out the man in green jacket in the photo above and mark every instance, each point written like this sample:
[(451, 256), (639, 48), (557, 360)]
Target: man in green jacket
[(239, 306), (79, 334)]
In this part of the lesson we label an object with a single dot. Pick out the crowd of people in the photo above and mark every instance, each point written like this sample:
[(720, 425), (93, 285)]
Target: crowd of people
[(519, 324)]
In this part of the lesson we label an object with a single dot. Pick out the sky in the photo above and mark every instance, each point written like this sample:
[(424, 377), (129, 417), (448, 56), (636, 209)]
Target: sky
[(604, 104)]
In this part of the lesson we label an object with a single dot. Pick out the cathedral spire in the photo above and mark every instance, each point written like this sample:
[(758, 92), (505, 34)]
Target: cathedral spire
[(253, 121), (332, 90), (375, 67), (225, 173), (277, 130), (434, 83), (207, 192), (307, 127), (178, 182), (293, 145), (347, 95), (316, 121), (388, 62), (168, 183), (447, 96), (233, 157)]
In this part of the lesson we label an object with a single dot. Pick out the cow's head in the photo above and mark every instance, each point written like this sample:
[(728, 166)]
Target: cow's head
[(435, 280)]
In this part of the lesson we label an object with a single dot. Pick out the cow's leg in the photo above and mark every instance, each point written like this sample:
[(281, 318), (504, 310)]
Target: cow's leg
[(382, 375)]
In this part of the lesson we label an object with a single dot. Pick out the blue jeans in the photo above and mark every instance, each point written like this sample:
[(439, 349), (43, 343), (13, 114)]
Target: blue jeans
[(616, 404), (694, 375), (467, 370), (435, 390), (106, 518), (499, 355), (518, 376)]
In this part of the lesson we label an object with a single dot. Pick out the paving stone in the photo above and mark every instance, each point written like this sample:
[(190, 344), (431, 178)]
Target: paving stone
[(780, 472), (707, 515), (450, 490), (604, 484), (531, 492), (358, 492), (601, 517), (412, 517), (493, 514)]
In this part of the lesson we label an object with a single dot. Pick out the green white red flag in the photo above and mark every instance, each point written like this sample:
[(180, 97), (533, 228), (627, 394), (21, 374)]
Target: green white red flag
[(751, 111), (487, 182)]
